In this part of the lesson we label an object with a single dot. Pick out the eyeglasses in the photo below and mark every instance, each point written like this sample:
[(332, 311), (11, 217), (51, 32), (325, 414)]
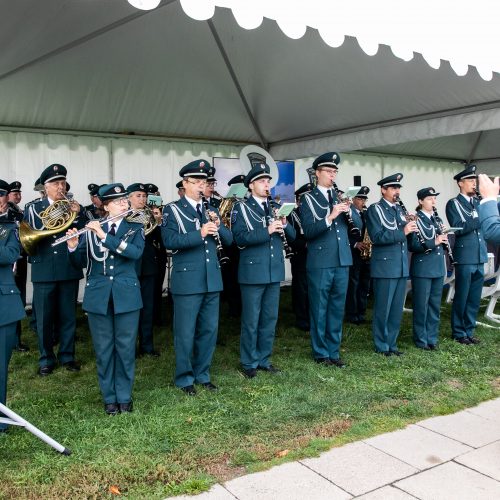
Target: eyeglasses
[(212, 183), (197, 182), (119, 201), (330, 171)]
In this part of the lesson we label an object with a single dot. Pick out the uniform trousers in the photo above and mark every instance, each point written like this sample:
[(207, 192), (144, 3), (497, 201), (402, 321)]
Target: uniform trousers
[(258, 323), (55, 303), (389, 294), (146, 316), (327, 294), (8, 340), (114, 337), (426, 299), (468, 286), (196, 321), (300, 298)]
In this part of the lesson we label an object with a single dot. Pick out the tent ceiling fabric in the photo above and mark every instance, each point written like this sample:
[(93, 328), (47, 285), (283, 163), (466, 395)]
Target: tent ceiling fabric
[(162, 73)]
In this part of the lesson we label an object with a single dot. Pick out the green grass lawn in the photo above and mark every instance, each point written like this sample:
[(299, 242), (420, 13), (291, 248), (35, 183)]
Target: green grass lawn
[(173, 444)]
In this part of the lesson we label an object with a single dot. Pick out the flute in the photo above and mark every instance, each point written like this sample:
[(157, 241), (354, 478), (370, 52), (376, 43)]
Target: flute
[(67, 237)]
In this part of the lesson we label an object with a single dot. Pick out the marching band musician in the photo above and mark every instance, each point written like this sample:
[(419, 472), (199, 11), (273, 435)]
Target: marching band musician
[(21, 267), (328, 260), (190, 232), (112, 297), (180, 189), (427, 271), (261, 269), (94, 211), (388, 229), (209, 192), (359, 272), (470, 254), (488, 209), (55, 280), (11, 306), (300, 298), (160, 252), (147, 272)]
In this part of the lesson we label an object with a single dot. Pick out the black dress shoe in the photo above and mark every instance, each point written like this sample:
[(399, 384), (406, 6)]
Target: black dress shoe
[(249, 373), (153, 353), (209, 386), (338, 363), (396, 353), (474, 340), (111, 409), (269, 369), (72, 366), (43, 371), (126, 407), (3, 430), (189, 390), (324, 361), (424, 348), (385, 353), (463, 340), (22, 347), (432, 347)]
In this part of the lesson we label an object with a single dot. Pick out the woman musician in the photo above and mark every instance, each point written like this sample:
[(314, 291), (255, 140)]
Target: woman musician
[(112, 299), (427, 271)]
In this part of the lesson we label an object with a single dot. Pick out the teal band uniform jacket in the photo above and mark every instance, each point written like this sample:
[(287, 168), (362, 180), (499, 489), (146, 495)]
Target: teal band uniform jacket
[(327, 246), (51, 263), (11, 306), (195, 268), (433, 264), (470, 247), (385, 226), (261, 254), (111, 268), (490, 221)]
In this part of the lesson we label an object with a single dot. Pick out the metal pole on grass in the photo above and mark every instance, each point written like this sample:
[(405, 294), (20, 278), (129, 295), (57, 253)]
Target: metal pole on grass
[(15, 419)]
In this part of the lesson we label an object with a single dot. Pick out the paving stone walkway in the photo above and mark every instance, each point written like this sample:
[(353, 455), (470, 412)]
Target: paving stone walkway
[(453, 457)]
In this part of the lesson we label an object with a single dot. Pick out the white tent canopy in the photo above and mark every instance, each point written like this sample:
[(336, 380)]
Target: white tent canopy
[(103, 68)]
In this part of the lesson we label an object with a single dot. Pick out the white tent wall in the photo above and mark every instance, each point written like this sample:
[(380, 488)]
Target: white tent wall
[(23, 155)]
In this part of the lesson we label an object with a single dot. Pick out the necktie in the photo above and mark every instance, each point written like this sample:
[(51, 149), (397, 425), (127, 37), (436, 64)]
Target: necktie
[(112, 230), (265, 206), (330, 199), (198, 211), (472, 204)]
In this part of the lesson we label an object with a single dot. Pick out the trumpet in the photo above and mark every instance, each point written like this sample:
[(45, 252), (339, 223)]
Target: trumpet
[(275, 209), (443, 230), (353, 229), (412, 218), (212, 217), (67, 237)]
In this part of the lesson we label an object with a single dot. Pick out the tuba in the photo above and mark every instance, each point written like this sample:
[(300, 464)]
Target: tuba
[(55, 218)]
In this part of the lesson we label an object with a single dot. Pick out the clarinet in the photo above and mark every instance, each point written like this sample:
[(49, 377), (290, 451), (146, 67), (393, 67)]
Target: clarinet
[(411, 218), (275, 208), (443, 230), (211, 216), (353, 229)]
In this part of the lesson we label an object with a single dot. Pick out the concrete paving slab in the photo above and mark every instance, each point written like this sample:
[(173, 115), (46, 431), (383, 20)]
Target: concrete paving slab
[(450, 480), (419, 447), (386, 493), (485, 460), (465, 427), (488, 409), (216, 492), (359, 468), (290, 481)]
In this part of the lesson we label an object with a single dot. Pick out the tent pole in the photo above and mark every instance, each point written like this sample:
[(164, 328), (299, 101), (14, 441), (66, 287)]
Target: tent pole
[(230, 69), (474, 147)]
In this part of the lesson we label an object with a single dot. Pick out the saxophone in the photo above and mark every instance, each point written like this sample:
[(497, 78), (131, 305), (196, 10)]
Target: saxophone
[(366, 252)]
